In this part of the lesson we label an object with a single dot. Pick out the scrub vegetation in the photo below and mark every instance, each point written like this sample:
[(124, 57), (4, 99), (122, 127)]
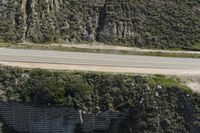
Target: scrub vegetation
[(153, 103), (168, 24)]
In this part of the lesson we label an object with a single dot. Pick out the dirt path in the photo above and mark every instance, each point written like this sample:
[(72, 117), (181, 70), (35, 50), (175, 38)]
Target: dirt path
[(105, 68), (192, 81)]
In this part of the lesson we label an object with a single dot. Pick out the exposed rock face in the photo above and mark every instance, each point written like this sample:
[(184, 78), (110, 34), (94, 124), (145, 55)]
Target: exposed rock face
[(148, 23)]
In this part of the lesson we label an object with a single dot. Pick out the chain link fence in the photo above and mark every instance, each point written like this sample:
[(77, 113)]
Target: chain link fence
[(30, 119)]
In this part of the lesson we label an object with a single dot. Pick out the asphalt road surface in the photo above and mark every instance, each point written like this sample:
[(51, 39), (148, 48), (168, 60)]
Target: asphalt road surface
[(100, 60)]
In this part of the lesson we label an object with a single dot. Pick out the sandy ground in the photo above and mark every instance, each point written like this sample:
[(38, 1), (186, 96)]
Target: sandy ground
[(192, 81), (195, 86)]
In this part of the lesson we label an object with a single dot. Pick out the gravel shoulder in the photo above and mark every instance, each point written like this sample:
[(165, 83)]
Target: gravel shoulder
[(109, 47), (184, 73), (103, 48)]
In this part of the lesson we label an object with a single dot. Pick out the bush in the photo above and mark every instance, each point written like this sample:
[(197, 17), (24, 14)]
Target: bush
[(153, 103), (157, 24)]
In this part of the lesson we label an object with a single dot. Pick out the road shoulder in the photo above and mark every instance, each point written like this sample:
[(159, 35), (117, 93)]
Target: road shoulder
[(102, 48)]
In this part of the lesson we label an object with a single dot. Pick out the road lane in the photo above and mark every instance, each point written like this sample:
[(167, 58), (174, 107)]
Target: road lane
[(93, 59)]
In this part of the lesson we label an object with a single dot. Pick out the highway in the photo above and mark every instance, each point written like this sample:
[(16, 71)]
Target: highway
[(123, 63)]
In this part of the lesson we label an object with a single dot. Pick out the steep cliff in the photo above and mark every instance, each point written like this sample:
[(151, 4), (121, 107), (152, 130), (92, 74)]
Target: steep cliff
[(146, 23)]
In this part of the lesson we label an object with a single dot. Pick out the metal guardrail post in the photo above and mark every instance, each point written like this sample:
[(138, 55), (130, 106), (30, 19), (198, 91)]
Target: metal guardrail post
[(77, 117)]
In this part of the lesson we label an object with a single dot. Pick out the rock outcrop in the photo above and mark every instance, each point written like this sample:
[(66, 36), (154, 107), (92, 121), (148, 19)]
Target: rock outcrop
[(147, 23)]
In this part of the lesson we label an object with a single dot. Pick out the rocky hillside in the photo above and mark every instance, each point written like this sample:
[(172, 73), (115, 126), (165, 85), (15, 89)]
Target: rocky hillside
[(142, 23), (154, 104)]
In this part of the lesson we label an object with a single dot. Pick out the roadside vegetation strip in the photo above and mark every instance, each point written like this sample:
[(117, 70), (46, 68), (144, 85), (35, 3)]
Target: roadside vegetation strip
[(162, 53), (85, 80)]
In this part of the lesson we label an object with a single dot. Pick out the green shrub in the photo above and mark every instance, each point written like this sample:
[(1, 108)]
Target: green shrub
[(153, 103), (165, 24)]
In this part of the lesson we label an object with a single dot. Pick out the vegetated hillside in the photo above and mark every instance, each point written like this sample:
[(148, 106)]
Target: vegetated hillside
[(141, 23), (154, 104)]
